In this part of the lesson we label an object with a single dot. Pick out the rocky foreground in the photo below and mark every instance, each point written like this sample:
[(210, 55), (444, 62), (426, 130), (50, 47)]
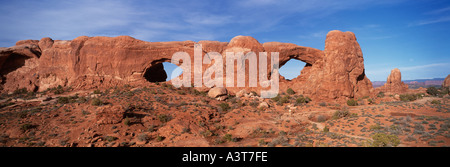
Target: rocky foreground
[(161, 115)]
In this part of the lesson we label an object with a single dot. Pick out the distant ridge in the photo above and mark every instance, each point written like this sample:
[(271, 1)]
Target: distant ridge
[(416, 83)]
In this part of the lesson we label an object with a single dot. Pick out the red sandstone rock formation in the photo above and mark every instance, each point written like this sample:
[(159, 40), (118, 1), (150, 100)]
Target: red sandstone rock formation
[(394, 83), (90, 62), (446, 82)]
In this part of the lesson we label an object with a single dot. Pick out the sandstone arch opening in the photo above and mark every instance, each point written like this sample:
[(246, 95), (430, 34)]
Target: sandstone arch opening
[(291, 69), (162, 72)]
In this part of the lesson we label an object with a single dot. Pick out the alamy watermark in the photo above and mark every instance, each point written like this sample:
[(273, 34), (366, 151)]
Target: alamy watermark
[(208, 80)]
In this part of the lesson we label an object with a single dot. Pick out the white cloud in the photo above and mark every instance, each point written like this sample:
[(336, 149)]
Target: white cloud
[(431, 21), (422, 67)]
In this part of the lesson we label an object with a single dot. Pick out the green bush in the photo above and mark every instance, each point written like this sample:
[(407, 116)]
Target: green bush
[(290, 91), (127, 121), (410, 97), (285, 99), (26, 127), (432, 91), (302, 99), (20, 91), (110, 138), (63, 100), (228, 137), (164, 118), (276, 98), (160, 138), (97, 92), (323, 104), (96, 102), (224, 106), (341, 114), (352, 102), (384, 140), (58, 90), (380, 94), (437, 92), (435, 102)]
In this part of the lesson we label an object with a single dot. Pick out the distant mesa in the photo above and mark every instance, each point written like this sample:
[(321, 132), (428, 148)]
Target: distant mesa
[(337, 72)]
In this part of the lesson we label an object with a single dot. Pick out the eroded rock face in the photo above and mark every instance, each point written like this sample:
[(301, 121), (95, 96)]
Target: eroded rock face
[(446, 82), (337, 72), (92, 62), (394, 83)]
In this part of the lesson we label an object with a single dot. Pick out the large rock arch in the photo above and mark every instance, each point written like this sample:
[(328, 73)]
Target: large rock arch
[(87, 62)]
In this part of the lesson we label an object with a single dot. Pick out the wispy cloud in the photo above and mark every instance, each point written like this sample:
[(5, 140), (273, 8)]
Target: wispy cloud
[(421, 67), (437, 16), (431, 21), (439, 11), (161, 20)]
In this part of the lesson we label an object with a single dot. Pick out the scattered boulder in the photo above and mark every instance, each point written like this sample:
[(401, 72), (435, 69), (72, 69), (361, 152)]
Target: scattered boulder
[(220, 93), (109, 114), (263, 105), (241, 93)]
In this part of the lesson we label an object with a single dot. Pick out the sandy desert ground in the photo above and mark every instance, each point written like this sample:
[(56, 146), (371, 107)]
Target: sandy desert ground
[(159, 115)]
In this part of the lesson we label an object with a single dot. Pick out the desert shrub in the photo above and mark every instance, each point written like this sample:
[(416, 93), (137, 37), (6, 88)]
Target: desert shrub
[(26, 127), (143, 137), (96, 102), (224, 106), (24, 93), (323, 104), (160, 138), (6, 104), (301, 100), (341, 114), (276, 98), (164, 118), (432, 91), (253, 104), (375, 127), (58, 90), (380, 94), (321, 118), (127, 121), (326, 129), (285, 99), (370, 101), (181, 92), (110, 138), (352, 102), (97, 91), (384, 140), (20, 91), (435, 102), (228, 137), (63, 100), (410, 97), (290, 91), (254, 93)]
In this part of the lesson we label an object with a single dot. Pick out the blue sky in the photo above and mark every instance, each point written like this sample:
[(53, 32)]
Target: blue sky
[(413, 36)]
